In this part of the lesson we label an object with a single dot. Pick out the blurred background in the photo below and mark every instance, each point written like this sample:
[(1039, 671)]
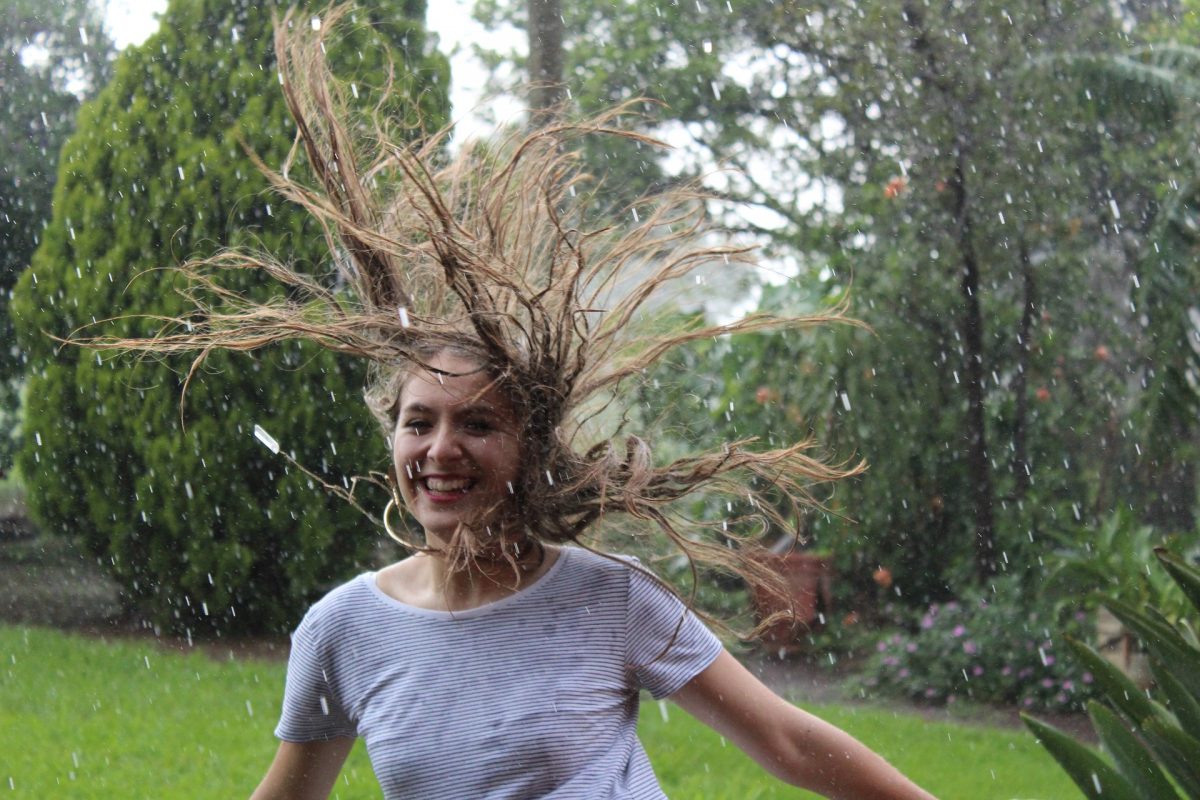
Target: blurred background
[(1006, 193)]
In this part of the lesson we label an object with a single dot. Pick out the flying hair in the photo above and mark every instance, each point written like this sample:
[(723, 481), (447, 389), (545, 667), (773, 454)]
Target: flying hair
[(503, 251)]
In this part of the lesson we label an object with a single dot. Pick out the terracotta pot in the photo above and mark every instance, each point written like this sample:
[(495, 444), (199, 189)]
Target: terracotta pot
[(809, 580)]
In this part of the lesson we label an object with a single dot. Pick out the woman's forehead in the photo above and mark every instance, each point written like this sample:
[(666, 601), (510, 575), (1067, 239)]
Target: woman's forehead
[(448, 379)]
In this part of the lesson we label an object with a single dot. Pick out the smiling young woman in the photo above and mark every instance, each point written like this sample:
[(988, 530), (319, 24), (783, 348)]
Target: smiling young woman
[(504, 322)]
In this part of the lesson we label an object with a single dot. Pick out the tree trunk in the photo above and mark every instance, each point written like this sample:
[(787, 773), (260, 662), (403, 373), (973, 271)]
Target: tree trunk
[(547, 90), (972, 330)]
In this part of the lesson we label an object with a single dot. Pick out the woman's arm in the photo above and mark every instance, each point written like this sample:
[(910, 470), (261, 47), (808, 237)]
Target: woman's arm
[(791, 744), (304, 771)]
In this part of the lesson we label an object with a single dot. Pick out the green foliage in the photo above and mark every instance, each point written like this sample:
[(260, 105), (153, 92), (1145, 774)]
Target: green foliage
[(51, 55), (885, 150), (1110, 563), (993, 648), (1151, 744), (204, 528)]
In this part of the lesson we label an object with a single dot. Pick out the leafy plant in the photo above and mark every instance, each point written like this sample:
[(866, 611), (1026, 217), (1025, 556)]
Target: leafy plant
[(1151, 742), (990, 647), (1112, 563)]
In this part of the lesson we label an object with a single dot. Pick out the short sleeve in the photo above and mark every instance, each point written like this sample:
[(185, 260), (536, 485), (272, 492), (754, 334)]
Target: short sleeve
[(667, 645), (311, 711)]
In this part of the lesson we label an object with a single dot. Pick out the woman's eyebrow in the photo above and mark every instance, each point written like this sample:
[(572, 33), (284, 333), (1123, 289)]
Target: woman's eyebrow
[(416, 408), (477, 407)]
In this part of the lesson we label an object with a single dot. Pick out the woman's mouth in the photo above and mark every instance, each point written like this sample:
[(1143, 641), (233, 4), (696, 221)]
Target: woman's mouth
[(445, 488)]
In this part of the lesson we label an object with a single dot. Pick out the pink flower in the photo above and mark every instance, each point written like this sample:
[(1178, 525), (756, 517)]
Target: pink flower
[(911, 647), (959, 630), (904, 673), (969, 648), (1087, 677), (1068, 686), (1047, 683), (927, 622), (977, 671)]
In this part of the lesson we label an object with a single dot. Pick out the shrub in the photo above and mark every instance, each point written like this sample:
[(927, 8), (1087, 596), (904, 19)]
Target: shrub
[(987, 648), (203, 527)]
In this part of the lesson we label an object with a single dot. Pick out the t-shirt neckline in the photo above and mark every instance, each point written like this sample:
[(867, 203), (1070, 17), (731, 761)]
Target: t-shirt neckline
[(369, 578)]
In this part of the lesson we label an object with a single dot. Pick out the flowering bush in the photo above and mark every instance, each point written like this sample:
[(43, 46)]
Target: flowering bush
[(990, 648)]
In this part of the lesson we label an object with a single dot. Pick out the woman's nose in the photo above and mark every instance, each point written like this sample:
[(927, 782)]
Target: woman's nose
[(443, 445)]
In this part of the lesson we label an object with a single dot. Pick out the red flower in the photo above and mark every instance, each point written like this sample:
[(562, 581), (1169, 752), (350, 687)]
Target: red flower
[(883, 577), (765, 394), (1042, 393), (894, 187), (1102, 353)]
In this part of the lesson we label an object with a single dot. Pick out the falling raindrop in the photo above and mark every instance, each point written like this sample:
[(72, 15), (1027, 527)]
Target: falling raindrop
[(266, 439)]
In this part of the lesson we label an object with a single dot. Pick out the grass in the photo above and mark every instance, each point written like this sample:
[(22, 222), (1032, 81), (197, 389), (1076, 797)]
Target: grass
[(83, 718)]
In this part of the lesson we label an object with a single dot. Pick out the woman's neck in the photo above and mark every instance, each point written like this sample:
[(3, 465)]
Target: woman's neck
[(431, 581)]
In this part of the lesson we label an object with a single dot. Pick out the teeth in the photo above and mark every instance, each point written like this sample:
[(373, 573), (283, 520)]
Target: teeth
[(447, 485)]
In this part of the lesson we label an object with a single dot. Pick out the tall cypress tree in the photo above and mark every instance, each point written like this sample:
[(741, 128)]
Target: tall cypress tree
[(204, 527)]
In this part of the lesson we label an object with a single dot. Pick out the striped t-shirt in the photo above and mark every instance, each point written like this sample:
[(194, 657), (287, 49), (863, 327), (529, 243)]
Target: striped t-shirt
[(532, 696)]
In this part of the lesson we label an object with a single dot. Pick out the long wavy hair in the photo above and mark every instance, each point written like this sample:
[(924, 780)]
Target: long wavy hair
[(503, 251)]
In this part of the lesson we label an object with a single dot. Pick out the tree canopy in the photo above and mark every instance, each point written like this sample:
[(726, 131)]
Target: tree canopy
[(989, 183), (53, 54)]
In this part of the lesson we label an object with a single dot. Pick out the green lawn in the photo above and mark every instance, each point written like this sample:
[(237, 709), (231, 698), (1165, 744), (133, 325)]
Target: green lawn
[(81, 718)]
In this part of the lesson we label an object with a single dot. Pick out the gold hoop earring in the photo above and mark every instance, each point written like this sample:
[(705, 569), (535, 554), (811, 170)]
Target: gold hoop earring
[(394, 502)]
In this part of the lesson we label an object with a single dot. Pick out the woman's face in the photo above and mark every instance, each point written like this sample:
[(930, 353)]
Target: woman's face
[(456, 448)]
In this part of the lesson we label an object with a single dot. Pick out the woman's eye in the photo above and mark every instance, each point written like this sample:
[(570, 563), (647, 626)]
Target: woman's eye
[(478, 426), (417, 425)]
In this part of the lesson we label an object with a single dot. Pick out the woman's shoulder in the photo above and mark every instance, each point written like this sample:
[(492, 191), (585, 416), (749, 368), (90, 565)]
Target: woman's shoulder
[(341, 602), (584, 564)]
